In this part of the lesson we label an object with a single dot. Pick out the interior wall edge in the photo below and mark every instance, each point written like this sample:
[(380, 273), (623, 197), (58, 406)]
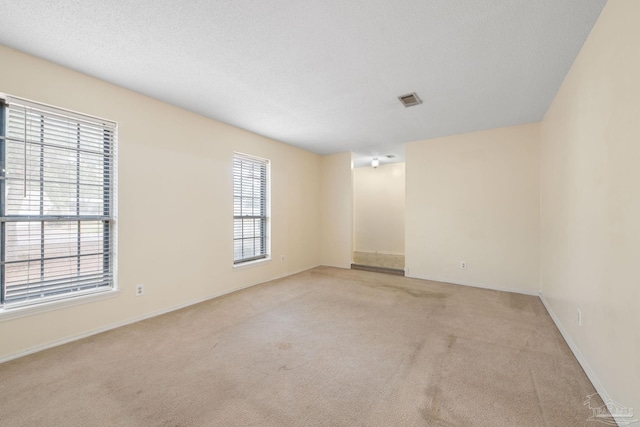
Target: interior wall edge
[(336, 210)]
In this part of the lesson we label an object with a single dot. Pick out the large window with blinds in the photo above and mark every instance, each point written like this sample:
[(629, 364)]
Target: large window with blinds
[(57, 194), (250, 208)]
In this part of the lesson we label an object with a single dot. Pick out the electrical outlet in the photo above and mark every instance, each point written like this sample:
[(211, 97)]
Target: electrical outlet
[(139, 290), (282, 258), (463, 265), (579, 318)]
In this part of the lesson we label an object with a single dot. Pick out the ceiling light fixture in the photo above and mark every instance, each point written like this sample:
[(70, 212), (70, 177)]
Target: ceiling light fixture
[(375, 162)]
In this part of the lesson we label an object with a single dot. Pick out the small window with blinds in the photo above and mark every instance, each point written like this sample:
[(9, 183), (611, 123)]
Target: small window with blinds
[(250, 208), (57, 193)]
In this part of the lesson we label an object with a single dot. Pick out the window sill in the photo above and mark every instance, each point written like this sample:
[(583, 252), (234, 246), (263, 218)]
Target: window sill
[(250, 264), (29, 310)]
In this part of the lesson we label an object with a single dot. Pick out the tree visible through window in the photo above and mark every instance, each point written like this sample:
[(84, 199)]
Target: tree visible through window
[(250, 208), (56, 203)]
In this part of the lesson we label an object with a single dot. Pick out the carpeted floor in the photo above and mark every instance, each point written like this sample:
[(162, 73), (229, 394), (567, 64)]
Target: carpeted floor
[(327, 347)]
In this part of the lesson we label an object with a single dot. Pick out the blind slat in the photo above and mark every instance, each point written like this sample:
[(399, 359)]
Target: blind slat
[(250, 192), (58, 197)]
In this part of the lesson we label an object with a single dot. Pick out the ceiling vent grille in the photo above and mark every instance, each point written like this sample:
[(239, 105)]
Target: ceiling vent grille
[(410, 99)]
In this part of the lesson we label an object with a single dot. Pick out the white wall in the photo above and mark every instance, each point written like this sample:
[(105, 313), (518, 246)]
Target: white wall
[(474, 198), (175, 203), (378, 196), (336, 215), (590, 203)]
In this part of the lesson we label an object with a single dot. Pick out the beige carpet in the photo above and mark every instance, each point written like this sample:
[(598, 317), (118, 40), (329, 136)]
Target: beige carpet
[(326, 347)]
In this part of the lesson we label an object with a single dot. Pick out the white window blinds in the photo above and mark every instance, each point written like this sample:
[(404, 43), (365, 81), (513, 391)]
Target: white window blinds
[(250, 208), (56, 203)]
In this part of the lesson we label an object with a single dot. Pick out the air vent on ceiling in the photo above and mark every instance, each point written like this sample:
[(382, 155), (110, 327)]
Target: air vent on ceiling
[(390, 156), (410, 99)]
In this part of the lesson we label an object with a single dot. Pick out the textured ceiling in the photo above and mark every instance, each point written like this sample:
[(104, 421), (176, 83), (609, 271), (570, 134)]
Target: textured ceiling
[(321, 75)]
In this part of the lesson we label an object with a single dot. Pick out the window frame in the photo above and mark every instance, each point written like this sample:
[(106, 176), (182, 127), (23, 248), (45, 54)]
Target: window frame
[(265, 235), (73, 291)]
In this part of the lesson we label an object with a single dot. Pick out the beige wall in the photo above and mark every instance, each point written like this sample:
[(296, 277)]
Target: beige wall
[(474, 198), (552, 206), (336, 215), (175, 203), (378, 199), (590, 203)]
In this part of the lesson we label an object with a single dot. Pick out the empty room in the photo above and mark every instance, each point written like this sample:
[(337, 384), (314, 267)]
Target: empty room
[(333, 213)]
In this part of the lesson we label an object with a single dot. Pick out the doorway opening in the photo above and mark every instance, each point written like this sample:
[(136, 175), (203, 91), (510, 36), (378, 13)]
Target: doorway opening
[(379, 206)]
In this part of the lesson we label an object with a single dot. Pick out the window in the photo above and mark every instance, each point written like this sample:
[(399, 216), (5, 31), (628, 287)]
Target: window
[(250, 208), (57, 193)]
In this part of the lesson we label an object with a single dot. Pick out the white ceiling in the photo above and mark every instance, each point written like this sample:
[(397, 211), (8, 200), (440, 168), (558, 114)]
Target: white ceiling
[(321, 75)]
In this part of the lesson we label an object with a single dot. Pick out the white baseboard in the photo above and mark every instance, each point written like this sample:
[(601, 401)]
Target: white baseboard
[(575, 350), (572, 345), (72, 338), (474, 285), (581, 359)]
